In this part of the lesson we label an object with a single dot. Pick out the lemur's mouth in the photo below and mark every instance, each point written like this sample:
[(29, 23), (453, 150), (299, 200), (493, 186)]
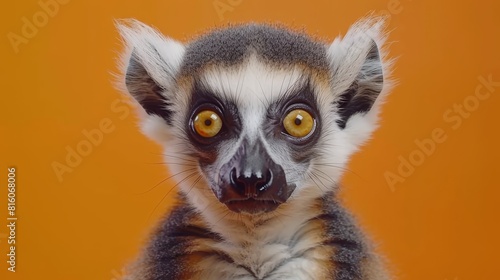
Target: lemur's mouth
[(254, 203), (252, 206)]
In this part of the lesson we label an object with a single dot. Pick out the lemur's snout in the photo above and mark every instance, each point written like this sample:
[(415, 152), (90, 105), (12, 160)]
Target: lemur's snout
[(252, 182), (251, 185)]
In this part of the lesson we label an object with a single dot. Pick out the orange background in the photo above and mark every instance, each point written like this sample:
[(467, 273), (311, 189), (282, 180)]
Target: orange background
[(440, 223)]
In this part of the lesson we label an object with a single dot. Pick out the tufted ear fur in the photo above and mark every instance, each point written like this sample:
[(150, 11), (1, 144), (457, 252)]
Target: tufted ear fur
[(358, 75), (150, 64)]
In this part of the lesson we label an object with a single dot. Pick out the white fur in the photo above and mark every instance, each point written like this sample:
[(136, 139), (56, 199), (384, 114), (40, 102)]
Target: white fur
[(160, 56)]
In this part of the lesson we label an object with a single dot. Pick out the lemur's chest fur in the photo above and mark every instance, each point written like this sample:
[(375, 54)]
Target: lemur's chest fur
[(321, 243), (263, 254)]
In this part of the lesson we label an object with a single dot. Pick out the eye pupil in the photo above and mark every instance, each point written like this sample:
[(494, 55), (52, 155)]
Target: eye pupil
[(208, 122), (298, 121)]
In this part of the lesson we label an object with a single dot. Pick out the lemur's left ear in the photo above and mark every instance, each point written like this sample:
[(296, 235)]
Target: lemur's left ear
[(359, 78), (150, 64)]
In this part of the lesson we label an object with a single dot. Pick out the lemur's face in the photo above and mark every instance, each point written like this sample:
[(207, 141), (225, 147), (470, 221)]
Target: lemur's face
[(254, 130), (255, 116)]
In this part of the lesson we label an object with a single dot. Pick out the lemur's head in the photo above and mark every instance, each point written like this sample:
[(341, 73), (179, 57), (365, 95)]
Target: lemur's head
[(254, 116)]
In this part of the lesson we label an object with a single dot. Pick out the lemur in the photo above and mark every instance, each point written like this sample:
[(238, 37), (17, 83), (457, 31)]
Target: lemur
[(258, 122)]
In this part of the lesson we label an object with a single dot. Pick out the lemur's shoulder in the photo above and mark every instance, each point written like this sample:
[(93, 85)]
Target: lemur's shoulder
[(167, 255)]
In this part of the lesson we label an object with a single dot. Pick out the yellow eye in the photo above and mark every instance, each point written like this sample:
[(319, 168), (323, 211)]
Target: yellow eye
[(298, 123), (207, 123)]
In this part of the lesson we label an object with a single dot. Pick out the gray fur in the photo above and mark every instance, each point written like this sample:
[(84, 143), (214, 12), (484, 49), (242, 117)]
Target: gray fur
[(227, 47)]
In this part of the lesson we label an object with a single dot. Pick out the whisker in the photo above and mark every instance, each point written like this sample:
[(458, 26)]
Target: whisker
[(338, 167), (324, 176), (193, 184), (321, 181), (227, 213), (315, 183), (173, 163), (177, 157), (163, 198), (169, 177)]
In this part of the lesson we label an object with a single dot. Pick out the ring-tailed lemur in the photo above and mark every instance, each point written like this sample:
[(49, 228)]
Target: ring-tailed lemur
[(257, 122)]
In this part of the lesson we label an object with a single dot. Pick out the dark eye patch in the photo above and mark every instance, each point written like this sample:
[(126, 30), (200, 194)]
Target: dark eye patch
[(299, 97), (204, 99)]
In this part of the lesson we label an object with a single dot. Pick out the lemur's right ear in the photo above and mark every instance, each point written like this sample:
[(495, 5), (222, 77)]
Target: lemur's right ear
[(150, 63)]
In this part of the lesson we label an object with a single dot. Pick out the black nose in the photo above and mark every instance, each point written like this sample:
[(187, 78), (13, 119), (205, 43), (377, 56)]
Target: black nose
[(251, 185), (251, 181)]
